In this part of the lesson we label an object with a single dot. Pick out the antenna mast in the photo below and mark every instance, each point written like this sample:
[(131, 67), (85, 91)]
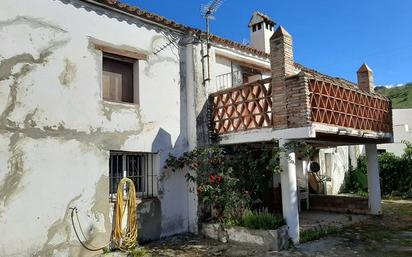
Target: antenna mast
[(207, 11)]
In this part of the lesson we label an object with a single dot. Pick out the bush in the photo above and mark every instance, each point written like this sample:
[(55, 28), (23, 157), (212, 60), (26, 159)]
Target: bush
[(356, 180), (261, 220), (395, 174), (217, 186)]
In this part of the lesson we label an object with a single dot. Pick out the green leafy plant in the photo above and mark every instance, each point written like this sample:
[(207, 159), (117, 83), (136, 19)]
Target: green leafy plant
[(261, 220), (232, 179), (217, 186), (395, 174)]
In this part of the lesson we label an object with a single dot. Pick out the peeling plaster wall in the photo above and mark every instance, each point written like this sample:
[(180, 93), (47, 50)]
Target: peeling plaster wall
[(56, 131)]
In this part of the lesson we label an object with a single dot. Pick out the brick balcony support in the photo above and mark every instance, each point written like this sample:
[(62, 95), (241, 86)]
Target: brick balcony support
[(298, 101), (282, 65)]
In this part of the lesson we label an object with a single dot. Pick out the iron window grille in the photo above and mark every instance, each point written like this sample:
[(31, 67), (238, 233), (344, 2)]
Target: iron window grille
[(139, 167)]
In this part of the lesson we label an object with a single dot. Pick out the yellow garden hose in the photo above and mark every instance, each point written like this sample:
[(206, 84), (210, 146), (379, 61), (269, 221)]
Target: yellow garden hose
[(125, 238)]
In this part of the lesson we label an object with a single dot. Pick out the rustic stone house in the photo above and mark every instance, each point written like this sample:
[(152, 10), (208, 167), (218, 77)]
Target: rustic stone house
[(92, 90)]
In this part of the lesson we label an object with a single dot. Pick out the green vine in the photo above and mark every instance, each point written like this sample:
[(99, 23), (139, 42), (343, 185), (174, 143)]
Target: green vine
[(233, 179)]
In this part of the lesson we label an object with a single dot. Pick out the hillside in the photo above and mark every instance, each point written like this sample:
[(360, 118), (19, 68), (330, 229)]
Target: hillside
[(401, 96)]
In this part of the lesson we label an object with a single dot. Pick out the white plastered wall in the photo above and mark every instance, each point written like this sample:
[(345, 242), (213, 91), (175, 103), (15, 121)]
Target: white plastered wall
[(402, 131), (56, 132), (334, 163)]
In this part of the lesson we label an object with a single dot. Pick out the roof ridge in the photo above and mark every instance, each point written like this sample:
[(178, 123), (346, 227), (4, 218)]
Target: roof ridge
[(150, 16)]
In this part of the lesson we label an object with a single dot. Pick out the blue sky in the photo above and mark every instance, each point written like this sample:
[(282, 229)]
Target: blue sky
[(332, 36)]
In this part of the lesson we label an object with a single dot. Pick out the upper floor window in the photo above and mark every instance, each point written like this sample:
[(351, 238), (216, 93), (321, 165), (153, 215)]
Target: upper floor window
[(118, 78), (120, 73)]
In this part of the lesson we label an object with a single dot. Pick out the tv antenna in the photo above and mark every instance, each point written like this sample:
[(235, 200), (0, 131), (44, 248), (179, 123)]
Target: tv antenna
[(207, 11)]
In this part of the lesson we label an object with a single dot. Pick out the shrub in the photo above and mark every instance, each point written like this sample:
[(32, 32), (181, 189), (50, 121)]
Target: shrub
[(261, 220), (356, 180), (217, 186), (395, 174)]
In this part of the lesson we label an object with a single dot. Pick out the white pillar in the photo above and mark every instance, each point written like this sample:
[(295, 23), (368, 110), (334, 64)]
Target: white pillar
[(289, 192), (374, 188)]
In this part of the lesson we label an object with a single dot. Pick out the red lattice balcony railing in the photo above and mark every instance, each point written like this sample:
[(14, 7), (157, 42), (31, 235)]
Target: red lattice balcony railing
[(245, 107), (348, 107)]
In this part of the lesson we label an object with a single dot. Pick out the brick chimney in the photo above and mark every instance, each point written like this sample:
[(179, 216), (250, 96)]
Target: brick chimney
[(282, 65), (261, 29), (365, 78)]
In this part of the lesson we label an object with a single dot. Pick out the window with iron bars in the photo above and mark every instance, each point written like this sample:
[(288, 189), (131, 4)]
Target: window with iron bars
[(139, 167)]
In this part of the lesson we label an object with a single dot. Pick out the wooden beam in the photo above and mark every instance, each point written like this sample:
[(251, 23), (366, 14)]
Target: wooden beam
[(126, 53)]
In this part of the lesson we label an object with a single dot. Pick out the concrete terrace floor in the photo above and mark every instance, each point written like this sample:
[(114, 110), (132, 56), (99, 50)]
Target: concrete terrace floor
[(316, 219), (387, 236)]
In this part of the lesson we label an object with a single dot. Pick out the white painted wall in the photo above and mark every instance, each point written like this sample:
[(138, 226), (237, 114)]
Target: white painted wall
[(259, 39), (55, 135), (402, 130), (335, 168), (223, 59), (222, 66)]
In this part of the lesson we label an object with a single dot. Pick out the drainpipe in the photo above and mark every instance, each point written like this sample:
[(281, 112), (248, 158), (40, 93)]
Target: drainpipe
[(191, 134), (190, 96)]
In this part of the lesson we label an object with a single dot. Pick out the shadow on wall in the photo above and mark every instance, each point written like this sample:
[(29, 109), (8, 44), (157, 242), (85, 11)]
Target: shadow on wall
[(204, 133), (149, 213)]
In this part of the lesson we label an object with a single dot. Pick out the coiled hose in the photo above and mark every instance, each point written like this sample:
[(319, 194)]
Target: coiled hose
[(123, 239)]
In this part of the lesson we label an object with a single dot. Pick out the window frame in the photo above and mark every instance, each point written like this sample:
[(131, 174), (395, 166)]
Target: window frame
[(146, 182), (135, 78), (121, 54)]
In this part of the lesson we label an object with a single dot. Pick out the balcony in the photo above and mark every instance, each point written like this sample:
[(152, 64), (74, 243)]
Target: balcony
[(319, 106), (245, 107)]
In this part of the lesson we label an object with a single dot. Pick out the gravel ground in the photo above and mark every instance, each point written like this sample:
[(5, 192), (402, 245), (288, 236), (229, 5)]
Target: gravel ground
[(387, 236)]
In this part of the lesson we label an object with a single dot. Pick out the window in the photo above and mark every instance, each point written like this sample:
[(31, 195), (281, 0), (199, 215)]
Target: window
[(381, 151), (118, 79), (259, 26), (138, 167), (254, 28)]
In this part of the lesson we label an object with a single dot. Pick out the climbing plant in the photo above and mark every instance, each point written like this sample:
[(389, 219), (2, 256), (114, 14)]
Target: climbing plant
[(234, 178), (217, 187)]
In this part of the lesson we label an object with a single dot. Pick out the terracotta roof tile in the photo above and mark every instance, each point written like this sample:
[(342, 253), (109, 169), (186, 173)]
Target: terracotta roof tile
[(136, 11)]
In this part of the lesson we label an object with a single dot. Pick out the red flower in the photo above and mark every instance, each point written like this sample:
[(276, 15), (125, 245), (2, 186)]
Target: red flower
[(212, 179), (219, 179)]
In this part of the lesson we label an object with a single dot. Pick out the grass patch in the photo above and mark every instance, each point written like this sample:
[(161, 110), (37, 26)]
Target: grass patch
[(137, 252), (317, 233), (406, 241), (378, 235)]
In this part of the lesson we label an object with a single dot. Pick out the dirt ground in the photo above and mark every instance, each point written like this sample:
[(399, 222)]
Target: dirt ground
[(389, 235)]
